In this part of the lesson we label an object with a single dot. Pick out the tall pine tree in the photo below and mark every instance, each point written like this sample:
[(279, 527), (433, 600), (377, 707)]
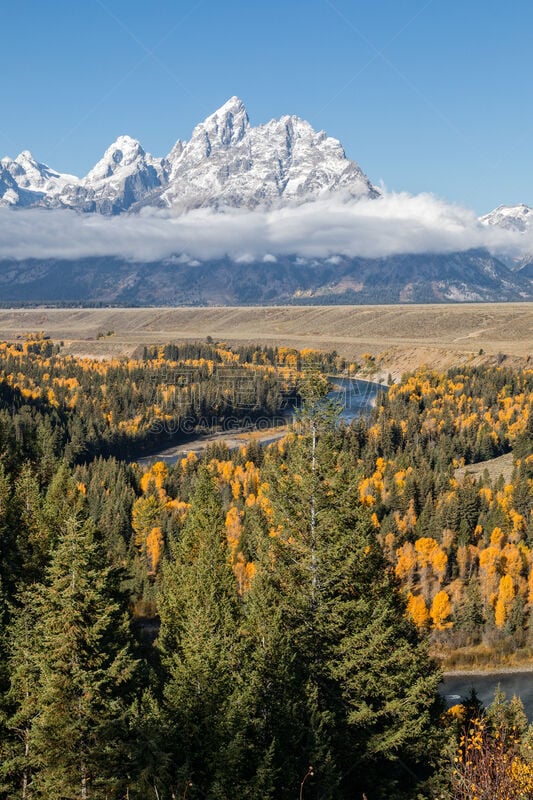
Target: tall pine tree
[(199, 640), (76, 715), (352, 690)]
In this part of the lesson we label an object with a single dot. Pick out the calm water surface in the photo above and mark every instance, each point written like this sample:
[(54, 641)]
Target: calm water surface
[(356, 397), (456, 687)]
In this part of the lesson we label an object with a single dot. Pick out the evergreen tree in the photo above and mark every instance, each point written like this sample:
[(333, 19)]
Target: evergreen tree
[(79, 735), (33, 537), (469, 617), (21, 706), (356, 694), (199, 640)]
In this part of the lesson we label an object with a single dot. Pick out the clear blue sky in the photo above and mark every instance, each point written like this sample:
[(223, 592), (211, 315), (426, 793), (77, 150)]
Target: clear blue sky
[(426, 96)]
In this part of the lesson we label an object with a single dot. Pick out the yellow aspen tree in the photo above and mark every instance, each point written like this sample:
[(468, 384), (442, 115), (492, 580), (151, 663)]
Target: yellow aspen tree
[(489, 564), (154, 549), (365, 492), (441, 609), (244, 572), (426, 548), (233, 529), (417, 609), (504, 602), (439, 562), (519, 525), (188, 464), (429, 555), (406, 564), (513, 561), (155, 475), (146, 513), (496, 537)]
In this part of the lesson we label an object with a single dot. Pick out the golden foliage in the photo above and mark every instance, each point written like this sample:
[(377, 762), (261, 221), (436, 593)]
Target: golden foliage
[(441, 610), (417, 609), (506, 595), (154, 549)]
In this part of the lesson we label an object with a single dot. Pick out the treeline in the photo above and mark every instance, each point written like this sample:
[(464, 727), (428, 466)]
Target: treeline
[(257, 623), (273, 356)]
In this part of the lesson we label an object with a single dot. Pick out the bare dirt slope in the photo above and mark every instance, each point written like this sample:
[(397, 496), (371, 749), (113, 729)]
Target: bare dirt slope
[(439, 335)]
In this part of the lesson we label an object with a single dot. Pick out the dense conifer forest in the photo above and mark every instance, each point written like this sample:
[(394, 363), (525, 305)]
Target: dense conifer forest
[(264, 622)]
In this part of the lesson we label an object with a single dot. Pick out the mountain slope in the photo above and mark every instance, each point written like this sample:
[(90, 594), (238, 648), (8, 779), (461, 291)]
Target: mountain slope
[(474, 276)]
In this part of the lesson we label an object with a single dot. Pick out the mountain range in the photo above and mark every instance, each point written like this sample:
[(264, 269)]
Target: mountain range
[(229, 164), (226, 162)]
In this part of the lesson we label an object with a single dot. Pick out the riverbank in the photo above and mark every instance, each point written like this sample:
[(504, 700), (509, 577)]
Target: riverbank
[(231, 439), (489, 670), (481, 660)]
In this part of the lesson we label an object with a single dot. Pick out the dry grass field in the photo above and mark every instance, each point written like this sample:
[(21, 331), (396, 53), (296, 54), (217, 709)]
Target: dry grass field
[(408, 336), (503, 465)]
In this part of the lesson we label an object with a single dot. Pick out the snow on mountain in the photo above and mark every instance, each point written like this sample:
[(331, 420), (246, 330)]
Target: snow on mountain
[(226, 162), (27, 182), (511, 218), (11, 194), (516, 219), (34, 176), (123, 176)]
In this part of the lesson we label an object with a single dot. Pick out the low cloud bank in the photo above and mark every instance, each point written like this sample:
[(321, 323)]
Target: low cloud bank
[(391, 225)]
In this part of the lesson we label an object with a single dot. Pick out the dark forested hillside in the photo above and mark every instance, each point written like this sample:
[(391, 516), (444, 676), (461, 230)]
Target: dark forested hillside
[(472, 276)]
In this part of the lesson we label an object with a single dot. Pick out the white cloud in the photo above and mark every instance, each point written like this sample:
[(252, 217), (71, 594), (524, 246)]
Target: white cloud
[(393, 224)]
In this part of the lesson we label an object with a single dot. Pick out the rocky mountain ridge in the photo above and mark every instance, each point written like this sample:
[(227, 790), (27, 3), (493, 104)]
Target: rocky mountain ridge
[(226, 162)]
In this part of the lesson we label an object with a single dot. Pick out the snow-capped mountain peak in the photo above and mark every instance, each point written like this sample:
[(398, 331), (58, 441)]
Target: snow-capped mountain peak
[(511, 218), (25, 157), (124, 152), (227, 162), (34, 176), (125, 175), (227, 125)]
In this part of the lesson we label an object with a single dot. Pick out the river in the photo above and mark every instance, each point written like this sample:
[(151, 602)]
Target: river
[(357, 397), (456, 687)]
